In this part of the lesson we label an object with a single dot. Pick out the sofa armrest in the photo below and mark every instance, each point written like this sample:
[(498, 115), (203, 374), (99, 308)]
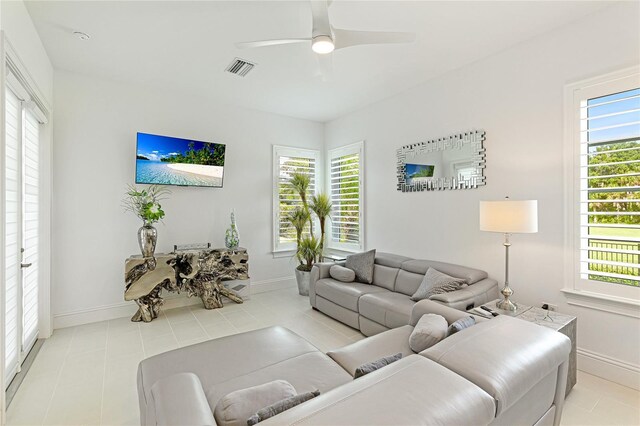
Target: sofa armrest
[(180, 400), (319, 271), (484, 290), (323, 268), (430, 307)]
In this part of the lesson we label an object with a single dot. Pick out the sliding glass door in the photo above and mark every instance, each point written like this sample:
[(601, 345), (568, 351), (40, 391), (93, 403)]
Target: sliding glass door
[(21, 211)]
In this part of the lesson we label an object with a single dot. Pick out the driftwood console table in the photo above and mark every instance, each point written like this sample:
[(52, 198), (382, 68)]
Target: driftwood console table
[(199, 273)]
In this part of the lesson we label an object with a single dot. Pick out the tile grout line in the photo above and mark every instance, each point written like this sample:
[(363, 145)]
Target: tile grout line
[(205, 330), (104, 372), (144, 351), (171, 327), (55, 388)]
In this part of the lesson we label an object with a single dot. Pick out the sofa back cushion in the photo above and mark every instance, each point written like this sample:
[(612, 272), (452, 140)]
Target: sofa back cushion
[(385, 276), (407, 282), (470, 275), (386, 269)]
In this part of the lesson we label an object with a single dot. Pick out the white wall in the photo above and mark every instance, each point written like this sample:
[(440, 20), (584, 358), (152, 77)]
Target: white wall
[(21, 33), (94, 160), (517, 98)]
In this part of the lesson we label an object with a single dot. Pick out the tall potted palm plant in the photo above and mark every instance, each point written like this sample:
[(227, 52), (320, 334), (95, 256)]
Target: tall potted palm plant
[(308, 247)]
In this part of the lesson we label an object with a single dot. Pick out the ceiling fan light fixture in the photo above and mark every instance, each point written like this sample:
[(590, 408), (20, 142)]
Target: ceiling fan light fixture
[(322, 44)]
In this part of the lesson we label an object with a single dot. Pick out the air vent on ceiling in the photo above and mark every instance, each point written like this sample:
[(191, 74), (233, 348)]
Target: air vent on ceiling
[(240, 67)]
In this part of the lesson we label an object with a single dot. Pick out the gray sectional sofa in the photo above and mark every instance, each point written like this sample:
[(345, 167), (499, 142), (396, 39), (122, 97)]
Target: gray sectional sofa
[(502, 371), (386, 304)]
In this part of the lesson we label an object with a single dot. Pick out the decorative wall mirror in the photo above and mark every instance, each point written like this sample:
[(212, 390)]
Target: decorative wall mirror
[(454, 162)]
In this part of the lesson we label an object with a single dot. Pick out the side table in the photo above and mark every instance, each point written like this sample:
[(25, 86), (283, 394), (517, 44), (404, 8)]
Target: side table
[(565, 324)]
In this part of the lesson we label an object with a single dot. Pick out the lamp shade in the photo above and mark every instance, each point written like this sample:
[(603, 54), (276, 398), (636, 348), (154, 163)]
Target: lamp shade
[(509, 216)]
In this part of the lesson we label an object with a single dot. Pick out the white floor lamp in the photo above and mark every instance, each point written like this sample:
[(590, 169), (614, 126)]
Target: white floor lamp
[(508, 217)]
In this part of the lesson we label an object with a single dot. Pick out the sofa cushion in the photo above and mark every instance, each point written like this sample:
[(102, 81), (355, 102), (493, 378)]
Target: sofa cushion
[(435, 282), (238, 356), (387, 308), (236, 407), (408, 282), (431, 395), (362, 265), (470, 275), (354, 355), (390, 260), (341, 273), (305, 373), (385, 276), (429, 330), (493, 354), (344, 294)]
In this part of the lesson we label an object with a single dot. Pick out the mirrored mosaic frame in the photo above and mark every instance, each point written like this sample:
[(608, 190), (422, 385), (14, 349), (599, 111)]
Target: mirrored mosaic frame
[(474, 138)]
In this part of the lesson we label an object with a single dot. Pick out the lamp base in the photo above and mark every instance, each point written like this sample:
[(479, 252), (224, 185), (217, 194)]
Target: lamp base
[(506, 305)]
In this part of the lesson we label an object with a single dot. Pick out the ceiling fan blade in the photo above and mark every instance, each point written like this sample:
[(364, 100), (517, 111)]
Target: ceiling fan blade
[(325, 66), (348, 38), (320, 14), (263, 43)]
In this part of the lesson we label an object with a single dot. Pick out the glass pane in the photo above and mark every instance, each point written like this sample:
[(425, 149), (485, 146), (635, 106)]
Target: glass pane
[(614, 120), (615, 133), (613, 97)]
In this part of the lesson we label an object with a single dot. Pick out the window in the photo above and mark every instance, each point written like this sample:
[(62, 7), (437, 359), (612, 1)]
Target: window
[(606, 148), (285, 199), (344, 176)]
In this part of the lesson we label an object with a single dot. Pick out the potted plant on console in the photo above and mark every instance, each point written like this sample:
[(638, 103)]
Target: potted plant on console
[(308, 247), (145, 204)]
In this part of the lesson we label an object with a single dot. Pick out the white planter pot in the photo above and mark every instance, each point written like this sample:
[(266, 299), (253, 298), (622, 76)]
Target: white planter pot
[(303, 278)]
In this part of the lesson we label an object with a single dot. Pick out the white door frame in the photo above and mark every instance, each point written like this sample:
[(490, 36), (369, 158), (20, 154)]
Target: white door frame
[(10, 58)]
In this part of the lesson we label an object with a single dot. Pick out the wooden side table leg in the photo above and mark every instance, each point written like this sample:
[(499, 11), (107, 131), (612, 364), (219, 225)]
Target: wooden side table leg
[(208, 292), (148, 307), (230, 294)]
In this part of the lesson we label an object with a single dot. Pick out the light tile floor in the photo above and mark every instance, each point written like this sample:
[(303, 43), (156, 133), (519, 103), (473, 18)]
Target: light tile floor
[(86, 375)]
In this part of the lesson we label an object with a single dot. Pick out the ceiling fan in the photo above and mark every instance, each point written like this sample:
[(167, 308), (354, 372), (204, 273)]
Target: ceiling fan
[(325, 38)]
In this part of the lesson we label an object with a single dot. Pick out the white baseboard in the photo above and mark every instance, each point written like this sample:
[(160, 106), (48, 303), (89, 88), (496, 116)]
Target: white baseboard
[(608, 368), (127, 309)]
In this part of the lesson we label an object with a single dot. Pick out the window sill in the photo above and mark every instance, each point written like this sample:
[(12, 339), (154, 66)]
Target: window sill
[(601, 302), (277, 254)]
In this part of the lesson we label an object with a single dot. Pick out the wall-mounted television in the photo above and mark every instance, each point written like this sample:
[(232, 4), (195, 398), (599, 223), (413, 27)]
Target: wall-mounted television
[(164, 160)]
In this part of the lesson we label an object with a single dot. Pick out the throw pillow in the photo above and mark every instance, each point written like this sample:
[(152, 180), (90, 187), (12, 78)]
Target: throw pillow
[(461, 324), (234, 408), (429, 330), (281, 406), (370, 367), (362, 265), (435, 282), (341, 273)]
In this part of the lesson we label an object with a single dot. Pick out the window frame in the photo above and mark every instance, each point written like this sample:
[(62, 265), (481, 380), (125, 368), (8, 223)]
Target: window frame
[(599, 295), (354, 148), (288, 151)]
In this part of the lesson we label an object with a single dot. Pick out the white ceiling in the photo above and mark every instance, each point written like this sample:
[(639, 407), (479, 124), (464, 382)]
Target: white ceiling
[(187, 45)]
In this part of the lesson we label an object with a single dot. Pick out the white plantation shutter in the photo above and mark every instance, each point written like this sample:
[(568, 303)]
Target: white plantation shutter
[(286, 162), (30, 230), (610, 188), (13, 129), (346, 192)]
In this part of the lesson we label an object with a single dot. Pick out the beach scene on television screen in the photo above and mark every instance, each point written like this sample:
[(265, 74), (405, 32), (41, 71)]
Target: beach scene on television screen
[(165, 160)]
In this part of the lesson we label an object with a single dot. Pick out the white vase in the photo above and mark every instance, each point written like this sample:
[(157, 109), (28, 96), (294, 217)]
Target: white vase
[(303, 279)]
